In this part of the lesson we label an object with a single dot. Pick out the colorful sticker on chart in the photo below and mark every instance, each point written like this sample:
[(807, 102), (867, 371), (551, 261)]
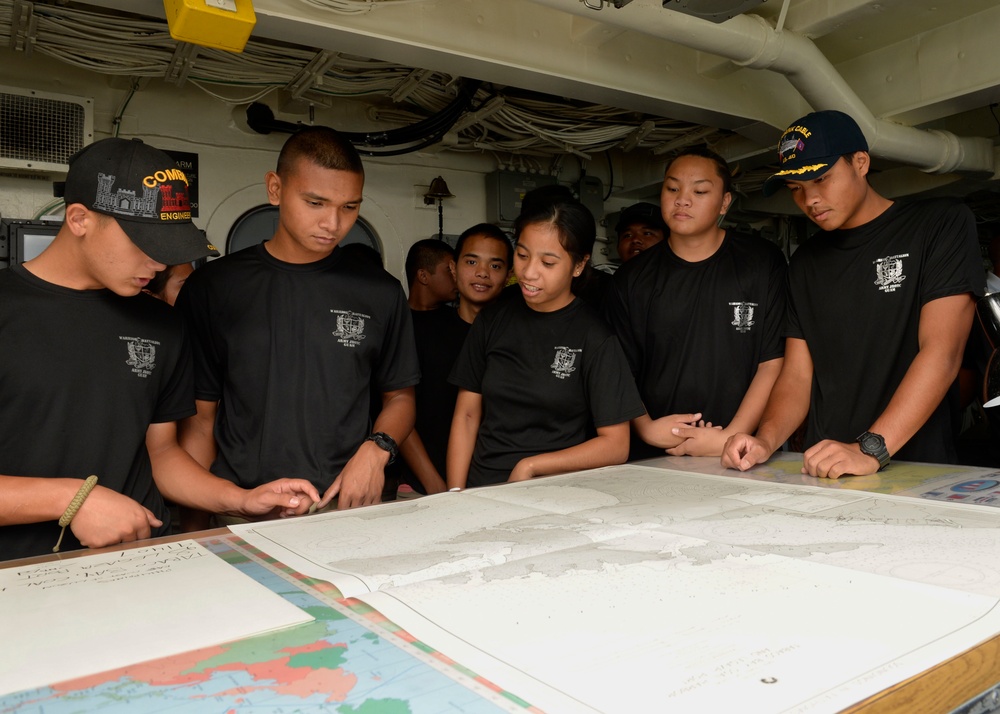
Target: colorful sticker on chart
[(982, 491), (979, 485)]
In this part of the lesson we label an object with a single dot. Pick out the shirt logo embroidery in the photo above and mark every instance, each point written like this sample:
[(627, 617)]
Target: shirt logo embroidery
[(889, 272), (350, 327), (141, 355), (743, 315), (562, 365)]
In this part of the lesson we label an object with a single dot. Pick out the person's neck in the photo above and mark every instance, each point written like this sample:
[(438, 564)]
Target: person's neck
[(871, 207), (422, 301), (468, 311), (58, 266), (288, 251), (696, 248)]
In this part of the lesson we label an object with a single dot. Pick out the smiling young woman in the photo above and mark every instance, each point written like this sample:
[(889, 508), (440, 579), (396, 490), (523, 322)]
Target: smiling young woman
[(540, 372)]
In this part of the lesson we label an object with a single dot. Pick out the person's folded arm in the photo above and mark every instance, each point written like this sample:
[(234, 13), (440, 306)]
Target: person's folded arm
[(608, 448)]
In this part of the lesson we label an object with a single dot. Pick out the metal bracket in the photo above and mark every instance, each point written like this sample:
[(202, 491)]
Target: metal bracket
[(23, 27), (312, 74), (181, 63), (405, 88), (640, 133), (491, 107)]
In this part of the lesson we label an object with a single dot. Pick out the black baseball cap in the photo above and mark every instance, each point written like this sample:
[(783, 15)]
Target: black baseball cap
[(141, 188), (647, 214), (812, 145)]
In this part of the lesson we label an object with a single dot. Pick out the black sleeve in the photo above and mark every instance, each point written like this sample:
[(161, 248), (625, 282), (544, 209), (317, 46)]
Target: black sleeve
[(470, 366), (611, 391), (206, 349), (398, 366), (773, 343), (954, 263), (618, 316)]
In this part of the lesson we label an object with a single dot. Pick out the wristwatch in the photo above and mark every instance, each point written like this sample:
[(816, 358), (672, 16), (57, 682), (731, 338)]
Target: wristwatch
[(874, 445), (386, 443)]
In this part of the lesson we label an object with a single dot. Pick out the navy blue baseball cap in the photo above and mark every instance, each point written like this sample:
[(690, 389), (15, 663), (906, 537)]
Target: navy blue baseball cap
[(812, 145), (646, 214)]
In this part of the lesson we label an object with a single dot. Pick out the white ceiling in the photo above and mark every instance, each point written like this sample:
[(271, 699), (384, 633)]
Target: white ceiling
[(929, 64)]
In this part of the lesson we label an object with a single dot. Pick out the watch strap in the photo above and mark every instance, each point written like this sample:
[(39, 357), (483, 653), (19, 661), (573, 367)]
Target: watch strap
[(873, 445), (386, 443)]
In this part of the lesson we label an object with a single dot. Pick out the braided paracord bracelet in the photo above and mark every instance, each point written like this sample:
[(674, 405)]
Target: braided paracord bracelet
[(74, 506)]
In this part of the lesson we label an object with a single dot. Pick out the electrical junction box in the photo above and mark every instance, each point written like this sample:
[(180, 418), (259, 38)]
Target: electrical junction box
[(590, 190), (504, 191), (221, 24)]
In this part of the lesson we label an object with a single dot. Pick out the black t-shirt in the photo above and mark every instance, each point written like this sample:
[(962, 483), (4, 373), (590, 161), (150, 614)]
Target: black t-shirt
[(439, 336), (694, 333), (855, 297), (289, 351), (547, 379), (83, 373)]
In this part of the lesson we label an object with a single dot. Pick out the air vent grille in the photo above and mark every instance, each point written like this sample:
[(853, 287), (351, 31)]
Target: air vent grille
[(41, 131)]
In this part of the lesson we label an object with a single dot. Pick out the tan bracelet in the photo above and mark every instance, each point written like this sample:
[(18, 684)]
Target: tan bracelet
[(74, 506)]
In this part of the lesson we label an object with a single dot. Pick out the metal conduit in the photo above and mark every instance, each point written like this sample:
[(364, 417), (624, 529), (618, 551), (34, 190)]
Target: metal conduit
[(750, 41)]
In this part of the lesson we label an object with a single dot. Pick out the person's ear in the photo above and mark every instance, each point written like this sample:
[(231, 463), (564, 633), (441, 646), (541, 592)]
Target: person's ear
[(78, 219), (272, 183), (727, 200), (862, 162), (423, 277), (578, 268)]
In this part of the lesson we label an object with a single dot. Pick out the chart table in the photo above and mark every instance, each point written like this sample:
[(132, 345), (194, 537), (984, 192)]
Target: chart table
[(393, 644)]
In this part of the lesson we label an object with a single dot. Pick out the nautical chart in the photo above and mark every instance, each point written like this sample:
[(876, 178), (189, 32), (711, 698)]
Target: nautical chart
[(611, 589)]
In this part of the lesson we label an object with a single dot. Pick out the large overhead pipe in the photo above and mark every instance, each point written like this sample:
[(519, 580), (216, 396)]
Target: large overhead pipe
[(750, 41)]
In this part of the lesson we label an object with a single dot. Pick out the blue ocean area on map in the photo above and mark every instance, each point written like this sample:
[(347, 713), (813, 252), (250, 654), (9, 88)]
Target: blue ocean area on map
[(334, 664)]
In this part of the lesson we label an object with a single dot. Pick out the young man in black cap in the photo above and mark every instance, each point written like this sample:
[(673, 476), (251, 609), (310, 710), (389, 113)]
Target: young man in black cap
[(290, 335), (639, 227), (880, 306), (93, 375)]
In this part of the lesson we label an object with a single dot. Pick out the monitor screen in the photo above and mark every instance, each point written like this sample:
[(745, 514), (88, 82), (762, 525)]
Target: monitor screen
[(25, 239), (32, 244)]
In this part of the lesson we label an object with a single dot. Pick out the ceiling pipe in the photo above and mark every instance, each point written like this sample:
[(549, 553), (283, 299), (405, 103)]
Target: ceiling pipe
[(750, 41)]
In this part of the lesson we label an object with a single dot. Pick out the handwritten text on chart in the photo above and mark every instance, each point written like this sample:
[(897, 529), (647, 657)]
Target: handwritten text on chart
[(137, 563)]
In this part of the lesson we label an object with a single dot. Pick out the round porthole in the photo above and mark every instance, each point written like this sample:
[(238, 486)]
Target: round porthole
[(259, 224)]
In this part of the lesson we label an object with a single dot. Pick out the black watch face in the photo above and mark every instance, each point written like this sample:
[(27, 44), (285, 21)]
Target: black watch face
[(383, 443), (870, 442)]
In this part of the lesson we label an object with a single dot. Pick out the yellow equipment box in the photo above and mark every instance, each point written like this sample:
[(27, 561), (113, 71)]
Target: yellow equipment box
[(222, 24)]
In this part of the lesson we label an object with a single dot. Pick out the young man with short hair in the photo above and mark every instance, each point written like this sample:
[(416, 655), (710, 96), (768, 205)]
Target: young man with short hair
[(880, 306), (430, 274), (94, 375), (485, 256), (291, 333)]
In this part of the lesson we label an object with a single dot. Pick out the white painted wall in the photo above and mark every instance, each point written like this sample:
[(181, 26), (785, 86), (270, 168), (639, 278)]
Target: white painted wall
[(233, 160)]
